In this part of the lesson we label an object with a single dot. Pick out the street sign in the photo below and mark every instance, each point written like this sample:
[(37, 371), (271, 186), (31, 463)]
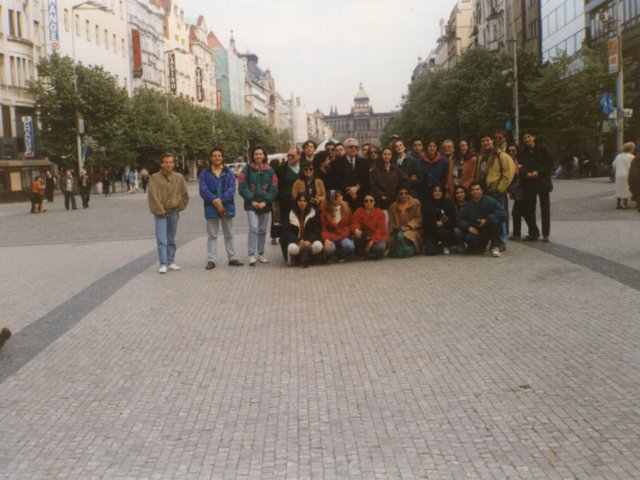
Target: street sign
[(606, 103), (507, 126)]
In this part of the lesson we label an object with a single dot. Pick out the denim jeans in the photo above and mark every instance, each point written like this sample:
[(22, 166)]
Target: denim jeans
[(257, 231), (166, 228), (213, 227), (344, 247), (503, 199), (489, 233)]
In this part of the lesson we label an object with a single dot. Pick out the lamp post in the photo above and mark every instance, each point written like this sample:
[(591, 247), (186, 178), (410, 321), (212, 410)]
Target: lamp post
[(85, 5), (618, 20)]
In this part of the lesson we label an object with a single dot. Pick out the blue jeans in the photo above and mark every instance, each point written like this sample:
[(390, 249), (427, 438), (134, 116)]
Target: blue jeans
[(344, 247), (166, 228), (213, 227), (257, 231), (503, 199)]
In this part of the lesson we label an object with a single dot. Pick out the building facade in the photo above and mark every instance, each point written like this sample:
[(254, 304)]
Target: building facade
[(459, 31), (230, 80), (205, 64), (362, 123), (489, 20), (260, 92), (562, 27), (146, 49), (180, 70)]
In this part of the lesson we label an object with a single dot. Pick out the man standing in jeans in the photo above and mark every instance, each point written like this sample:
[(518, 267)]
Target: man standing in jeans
[(167, 196), (68, 187)]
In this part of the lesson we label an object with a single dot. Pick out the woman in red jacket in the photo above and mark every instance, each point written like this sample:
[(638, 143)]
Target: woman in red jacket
[(369, 229), (336, 228)]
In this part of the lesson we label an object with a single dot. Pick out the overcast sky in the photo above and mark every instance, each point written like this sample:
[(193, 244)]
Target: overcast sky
[(321, 50)]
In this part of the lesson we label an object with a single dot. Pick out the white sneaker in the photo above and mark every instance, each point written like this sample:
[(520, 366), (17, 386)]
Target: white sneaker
[(252, 260), (289, 259), (445, 251), (495, 252), (162, 269), (263, 259), (174, 267)]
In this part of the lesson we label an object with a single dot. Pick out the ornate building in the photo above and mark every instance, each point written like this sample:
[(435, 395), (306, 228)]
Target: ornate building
[(362, 123)]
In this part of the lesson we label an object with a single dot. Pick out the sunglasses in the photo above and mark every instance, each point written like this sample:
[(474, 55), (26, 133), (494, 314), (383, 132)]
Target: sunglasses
[(307, 169), (368, 200)]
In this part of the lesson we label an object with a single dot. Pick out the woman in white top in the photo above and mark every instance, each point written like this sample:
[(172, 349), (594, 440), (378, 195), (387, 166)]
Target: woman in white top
[(621, 166)]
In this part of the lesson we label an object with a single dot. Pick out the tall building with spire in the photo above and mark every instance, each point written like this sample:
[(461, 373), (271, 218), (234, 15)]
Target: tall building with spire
[(361, 123)]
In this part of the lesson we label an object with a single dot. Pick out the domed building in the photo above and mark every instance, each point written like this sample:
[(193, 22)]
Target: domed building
[(362, 123)]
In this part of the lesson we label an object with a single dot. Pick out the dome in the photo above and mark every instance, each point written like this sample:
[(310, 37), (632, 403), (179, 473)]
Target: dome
[(361, 94)]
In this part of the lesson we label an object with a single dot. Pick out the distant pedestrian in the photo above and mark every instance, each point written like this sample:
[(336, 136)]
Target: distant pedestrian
[(5, 334), (258, 185), (135, 180), (85, 188), (37, 189), (106, 184), (168, 196), (144, 179), (621, 167), (634, 180), (218, 189), (49, 186), (68, 186)]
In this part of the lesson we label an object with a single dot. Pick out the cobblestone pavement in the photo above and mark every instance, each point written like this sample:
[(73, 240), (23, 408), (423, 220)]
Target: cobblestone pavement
[(457, 367)]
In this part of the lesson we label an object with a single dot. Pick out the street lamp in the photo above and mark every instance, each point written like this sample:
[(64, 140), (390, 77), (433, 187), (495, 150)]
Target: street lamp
[(85, 5)]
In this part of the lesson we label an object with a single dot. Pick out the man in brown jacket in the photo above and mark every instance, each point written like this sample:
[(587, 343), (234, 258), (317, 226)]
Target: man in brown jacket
[(167, 196)]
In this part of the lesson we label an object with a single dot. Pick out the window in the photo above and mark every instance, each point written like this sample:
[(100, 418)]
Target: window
[(12, 71), (77, 25), (12, 22), (121, 9), (19, 23), (36, 32), (106, 39), (87, 30), (97, 35), (122, 47), (2, 69), (115, 44), (66, 19)]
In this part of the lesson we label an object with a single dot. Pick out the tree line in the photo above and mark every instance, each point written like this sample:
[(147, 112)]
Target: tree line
[(122, 130), (559, 100)]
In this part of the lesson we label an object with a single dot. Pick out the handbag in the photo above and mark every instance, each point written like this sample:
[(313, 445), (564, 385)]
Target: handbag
[(401, 246)]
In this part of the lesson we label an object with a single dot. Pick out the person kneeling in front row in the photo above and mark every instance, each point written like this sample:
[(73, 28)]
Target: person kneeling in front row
[(480, 221), (369, 229), (337, 228), (301, 232)]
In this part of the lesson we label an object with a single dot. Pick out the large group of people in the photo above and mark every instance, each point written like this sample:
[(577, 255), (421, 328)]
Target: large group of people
[(346, 202)]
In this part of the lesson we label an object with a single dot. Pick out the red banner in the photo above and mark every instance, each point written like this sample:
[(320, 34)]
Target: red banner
[(137, 54)]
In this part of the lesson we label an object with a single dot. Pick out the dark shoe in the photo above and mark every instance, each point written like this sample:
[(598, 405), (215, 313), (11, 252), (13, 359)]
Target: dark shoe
[(515, 238), (5, 334), (210, 265), (235, 263), (502, 248), (531, 238), (545, 239)]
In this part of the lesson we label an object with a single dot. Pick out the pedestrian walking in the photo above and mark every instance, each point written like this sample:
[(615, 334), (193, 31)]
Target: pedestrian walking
[(37, 189), (85, 188), (68, 186), (144, 179), (621, 168), (106, 184), (218, 189), (167, 197), (49, 186)]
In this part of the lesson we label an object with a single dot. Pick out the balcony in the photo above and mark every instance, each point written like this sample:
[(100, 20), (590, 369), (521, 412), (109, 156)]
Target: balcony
[(16, 93)]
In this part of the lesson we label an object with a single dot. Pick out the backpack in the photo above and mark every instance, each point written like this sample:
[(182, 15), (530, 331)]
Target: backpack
[(401, 247)]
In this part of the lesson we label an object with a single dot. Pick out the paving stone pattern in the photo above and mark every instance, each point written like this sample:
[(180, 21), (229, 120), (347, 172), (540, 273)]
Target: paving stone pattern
[(452, 367)]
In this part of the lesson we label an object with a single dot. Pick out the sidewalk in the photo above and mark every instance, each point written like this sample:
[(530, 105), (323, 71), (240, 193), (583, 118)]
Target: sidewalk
[(525, 366)]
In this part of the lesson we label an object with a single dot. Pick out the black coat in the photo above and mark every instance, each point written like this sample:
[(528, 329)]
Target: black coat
[(532, 160), (346, 177), (433, 211), (291, 228)]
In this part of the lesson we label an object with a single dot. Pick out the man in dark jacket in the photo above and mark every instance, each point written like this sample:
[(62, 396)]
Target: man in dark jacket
[(352, 174), (480, 220), (535, 181)]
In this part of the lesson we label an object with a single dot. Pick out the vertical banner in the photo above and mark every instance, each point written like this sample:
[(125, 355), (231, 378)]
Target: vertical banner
[(199, 88), (54, 40), (612, 48), (173, 86), (29, 137), (137, 54)]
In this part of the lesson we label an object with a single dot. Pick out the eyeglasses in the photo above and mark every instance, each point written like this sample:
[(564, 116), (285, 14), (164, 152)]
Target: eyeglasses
[(368, 200), (307, 169), (352, 146)]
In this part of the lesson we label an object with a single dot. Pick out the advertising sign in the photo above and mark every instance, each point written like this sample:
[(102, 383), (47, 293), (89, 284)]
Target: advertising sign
[(173, 86), (199, 89), (53, 25), (612, 48), (29, 137), (137, 54)]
